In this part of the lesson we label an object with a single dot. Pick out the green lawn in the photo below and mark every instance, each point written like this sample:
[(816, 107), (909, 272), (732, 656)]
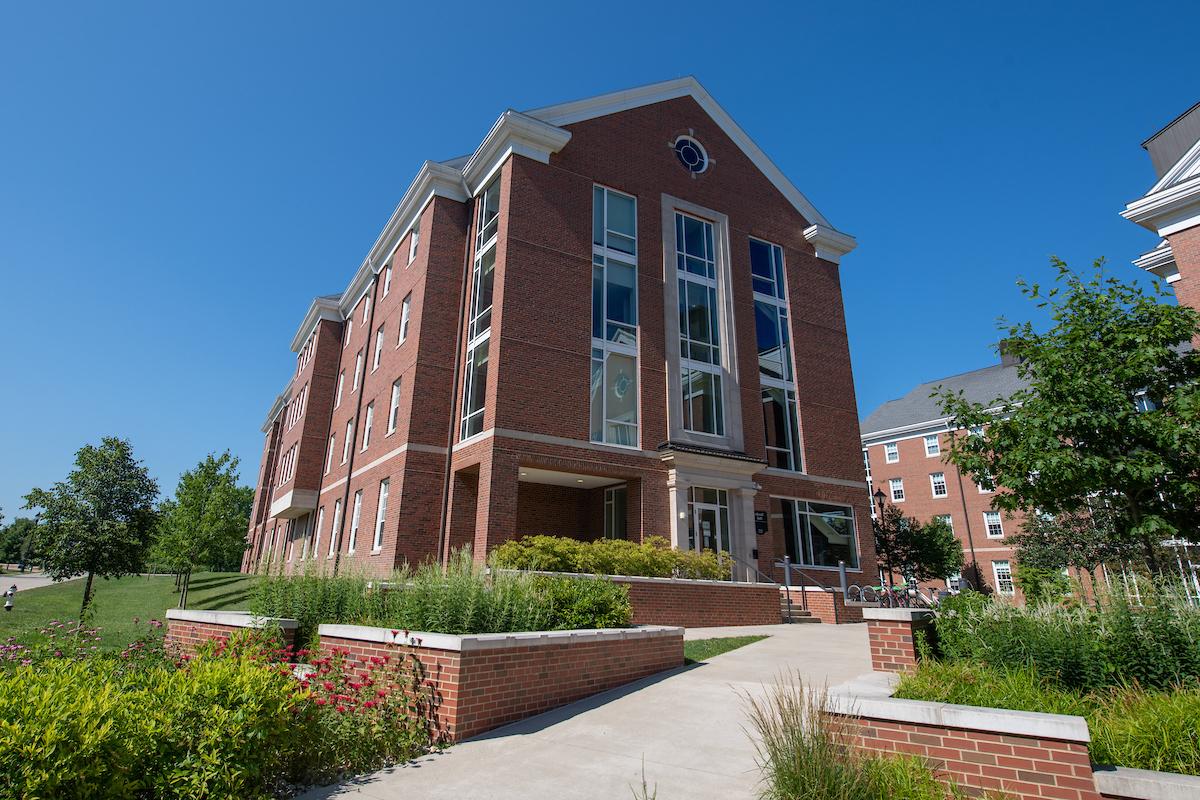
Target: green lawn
[(704, 649), (117, 602)]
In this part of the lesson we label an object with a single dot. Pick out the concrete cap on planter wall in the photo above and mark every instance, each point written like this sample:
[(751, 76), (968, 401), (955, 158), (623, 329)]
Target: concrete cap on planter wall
[(898, 614), (232, 619)]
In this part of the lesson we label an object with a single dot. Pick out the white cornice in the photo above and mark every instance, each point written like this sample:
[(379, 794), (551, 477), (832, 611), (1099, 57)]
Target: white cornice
[(1160, 261), (1168, 210), (513, 133), (321, 308), (276, 408), (614, 102), (829, 244), (1185, 167)]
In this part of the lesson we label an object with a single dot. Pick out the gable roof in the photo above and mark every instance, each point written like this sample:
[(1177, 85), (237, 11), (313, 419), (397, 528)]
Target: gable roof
[(687, 86), (918, 408)]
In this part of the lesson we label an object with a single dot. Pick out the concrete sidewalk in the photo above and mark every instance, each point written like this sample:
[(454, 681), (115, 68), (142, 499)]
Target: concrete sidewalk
[(686, 726)]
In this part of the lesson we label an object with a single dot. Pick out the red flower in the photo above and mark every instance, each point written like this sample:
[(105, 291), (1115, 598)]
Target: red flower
[(381, 692), (341, 709), (321, 701), (328, 686)]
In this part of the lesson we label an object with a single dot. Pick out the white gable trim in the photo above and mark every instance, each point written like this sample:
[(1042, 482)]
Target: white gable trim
[(614, 102), (321, 308), (1187, 166), (1168, 211), (513, 133)]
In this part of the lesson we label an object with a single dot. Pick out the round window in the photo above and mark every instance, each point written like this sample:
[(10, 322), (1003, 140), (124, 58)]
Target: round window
[(691, 154)]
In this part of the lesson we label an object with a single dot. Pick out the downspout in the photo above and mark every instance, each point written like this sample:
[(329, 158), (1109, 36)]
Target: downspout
[(962, 495), (362, 390), (447, 476)]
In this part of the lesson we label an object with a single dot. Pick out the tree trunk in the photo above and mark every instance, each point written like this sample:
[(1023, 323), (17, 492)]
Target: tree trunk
[(187, 579), (87, 597), (178, 575), (1151, 556)]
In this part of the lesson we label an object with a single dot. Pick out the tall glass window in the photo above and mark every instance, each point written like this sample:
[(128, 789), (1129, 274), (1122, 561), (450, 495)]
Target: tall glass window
[(614, 391), (699, 326), (616, 503), (479, 320), (780, 416), (817, 534)]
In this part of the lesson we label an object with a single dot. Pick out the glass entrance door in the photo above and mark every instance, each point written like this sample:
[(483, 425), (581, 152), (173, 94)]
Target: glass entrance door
[(708, 511)]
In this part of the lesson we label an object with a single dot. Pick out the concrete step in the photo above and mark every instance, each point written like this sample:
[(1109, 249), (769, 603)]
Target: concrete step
[(798, 615)]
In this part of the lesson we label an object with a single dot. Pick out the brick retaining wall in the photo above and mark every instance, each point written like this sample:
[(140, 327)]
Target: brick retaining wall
[(892, 635), (484, 681), (186, 628), (828, 606)]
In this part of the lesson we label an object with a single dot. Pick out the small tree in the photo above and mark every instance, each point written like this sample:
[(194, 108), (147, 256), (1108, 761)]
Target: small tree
[(922, 552), (16, 541), (205, 524), (100, 520), (1109, 416)]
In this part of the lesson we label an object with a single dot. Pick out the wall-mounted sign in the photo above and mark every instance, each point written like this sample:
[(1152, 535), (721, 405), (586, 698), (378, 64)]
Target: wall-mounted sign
[(760, 522)]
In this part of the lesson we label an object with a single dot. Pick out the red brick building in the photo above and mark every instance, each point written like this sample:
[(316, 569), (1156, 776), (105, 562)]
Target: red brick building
[(1171, 208), (904, 444), (616, 317)]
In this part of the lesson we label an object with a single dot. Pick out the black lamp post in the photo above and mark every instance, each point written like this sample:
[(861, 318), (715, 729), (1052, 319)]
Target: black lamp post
[(879, 498)]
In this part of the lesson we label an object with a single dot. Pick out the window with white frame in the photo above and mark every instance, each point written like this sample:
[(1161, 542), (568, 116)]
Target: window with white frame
[(1002, 573), (780, 415), (405, 315), (316, 538), (986, 484), (933, 446), (378, 349), (290, 538), (993, 524), (414, 241), (947, 519), (699, 326), (366, 310), (348, 442), (368, 423), (867, 464), (479, 320), (305, 536), (341, 383), (937, 482), (381, 513), (897, 487), (335, 527), (614, 378), (891, 452), (354, 520), (616, 503), (329, 455), (349, 332), (387, 279), (394, 407), (358, 366), (817, 534)]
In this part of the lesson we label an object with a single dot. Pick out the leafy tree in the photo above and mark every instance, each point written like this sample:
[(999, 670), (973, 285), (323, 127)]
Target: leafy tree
[(205, 523), (1108, 418), (100, 520), (1041, 585), (906, 547), (16, 541)]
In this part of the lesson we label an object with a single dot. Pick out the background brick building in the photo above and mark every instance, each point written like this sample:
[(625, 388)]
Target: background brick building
[(904, 444), (615, 318)]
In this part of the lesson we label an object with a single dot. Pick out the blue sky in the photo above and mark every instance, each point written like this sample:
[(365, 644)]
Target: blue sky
[(177, 182)]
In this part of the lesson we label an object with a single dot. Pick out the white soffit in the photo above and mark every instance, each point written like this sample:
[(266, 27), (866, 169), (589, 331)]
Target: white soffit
[(614, 102), (570, 479)]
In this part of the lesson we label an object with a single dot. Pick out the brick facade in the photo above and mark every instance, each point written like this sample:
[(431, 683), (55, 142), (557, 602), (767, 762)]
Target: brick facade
[(892, 636), (532, 468), (187, 629), (829, 606)]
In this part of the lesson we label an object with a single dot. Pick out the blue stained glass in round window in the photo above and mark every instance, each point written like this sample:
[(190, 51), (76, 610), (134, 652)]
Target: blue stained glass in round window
[(691, 154)]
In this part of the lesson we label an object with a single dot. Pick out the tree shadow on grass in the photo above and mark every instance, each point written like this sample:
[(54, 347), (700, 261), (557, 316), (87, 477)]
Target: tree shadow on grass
[(215, 581), (223, 601)]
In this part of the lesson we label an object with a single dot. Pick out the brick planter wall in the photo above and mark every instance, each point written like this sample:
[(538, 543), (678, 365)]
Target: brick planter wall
[(484, 681), (186, 628), (828, 606), (892, 636), (1026, 756), (695, 604)]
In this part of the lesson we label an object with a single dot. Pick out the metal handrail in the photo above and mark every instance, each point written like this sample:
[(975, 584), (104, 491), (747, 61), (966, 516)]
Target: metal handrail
[(761, 577)]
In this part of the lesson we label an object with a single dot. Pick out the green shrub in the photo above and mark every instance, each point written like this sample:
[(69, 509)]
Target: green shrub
[(1111, 643), (1041, 585), (653, 558), (1130, 726), (462, 599)]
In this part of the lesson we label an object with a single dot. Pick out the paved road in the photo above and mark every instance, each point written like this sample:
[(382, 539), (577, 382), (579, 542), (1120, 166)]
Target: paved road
[(25, 580), (687, 728)]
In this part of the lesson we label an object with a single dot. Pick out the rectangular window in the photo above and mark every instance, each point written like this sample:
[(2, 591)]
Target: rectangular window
[(699, 326), (341, 382), (817, 534), (381, 514), (349, 332), (867, 464), (614, 381), (387, 280), (347, 443), (378, 349), (932, 446), (937, 482), (366, 310), (405, 312), (335, 527), (479, 319), (414, 241), (616, 502), (329, 455), (358, 365), (316, 542), (1002, 573), (368, 424), (891, 452), (897, 487), (394, 408), (947, 519), (708, 519), (780, 415), (993, 524), (354, 520), (986, 484)]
